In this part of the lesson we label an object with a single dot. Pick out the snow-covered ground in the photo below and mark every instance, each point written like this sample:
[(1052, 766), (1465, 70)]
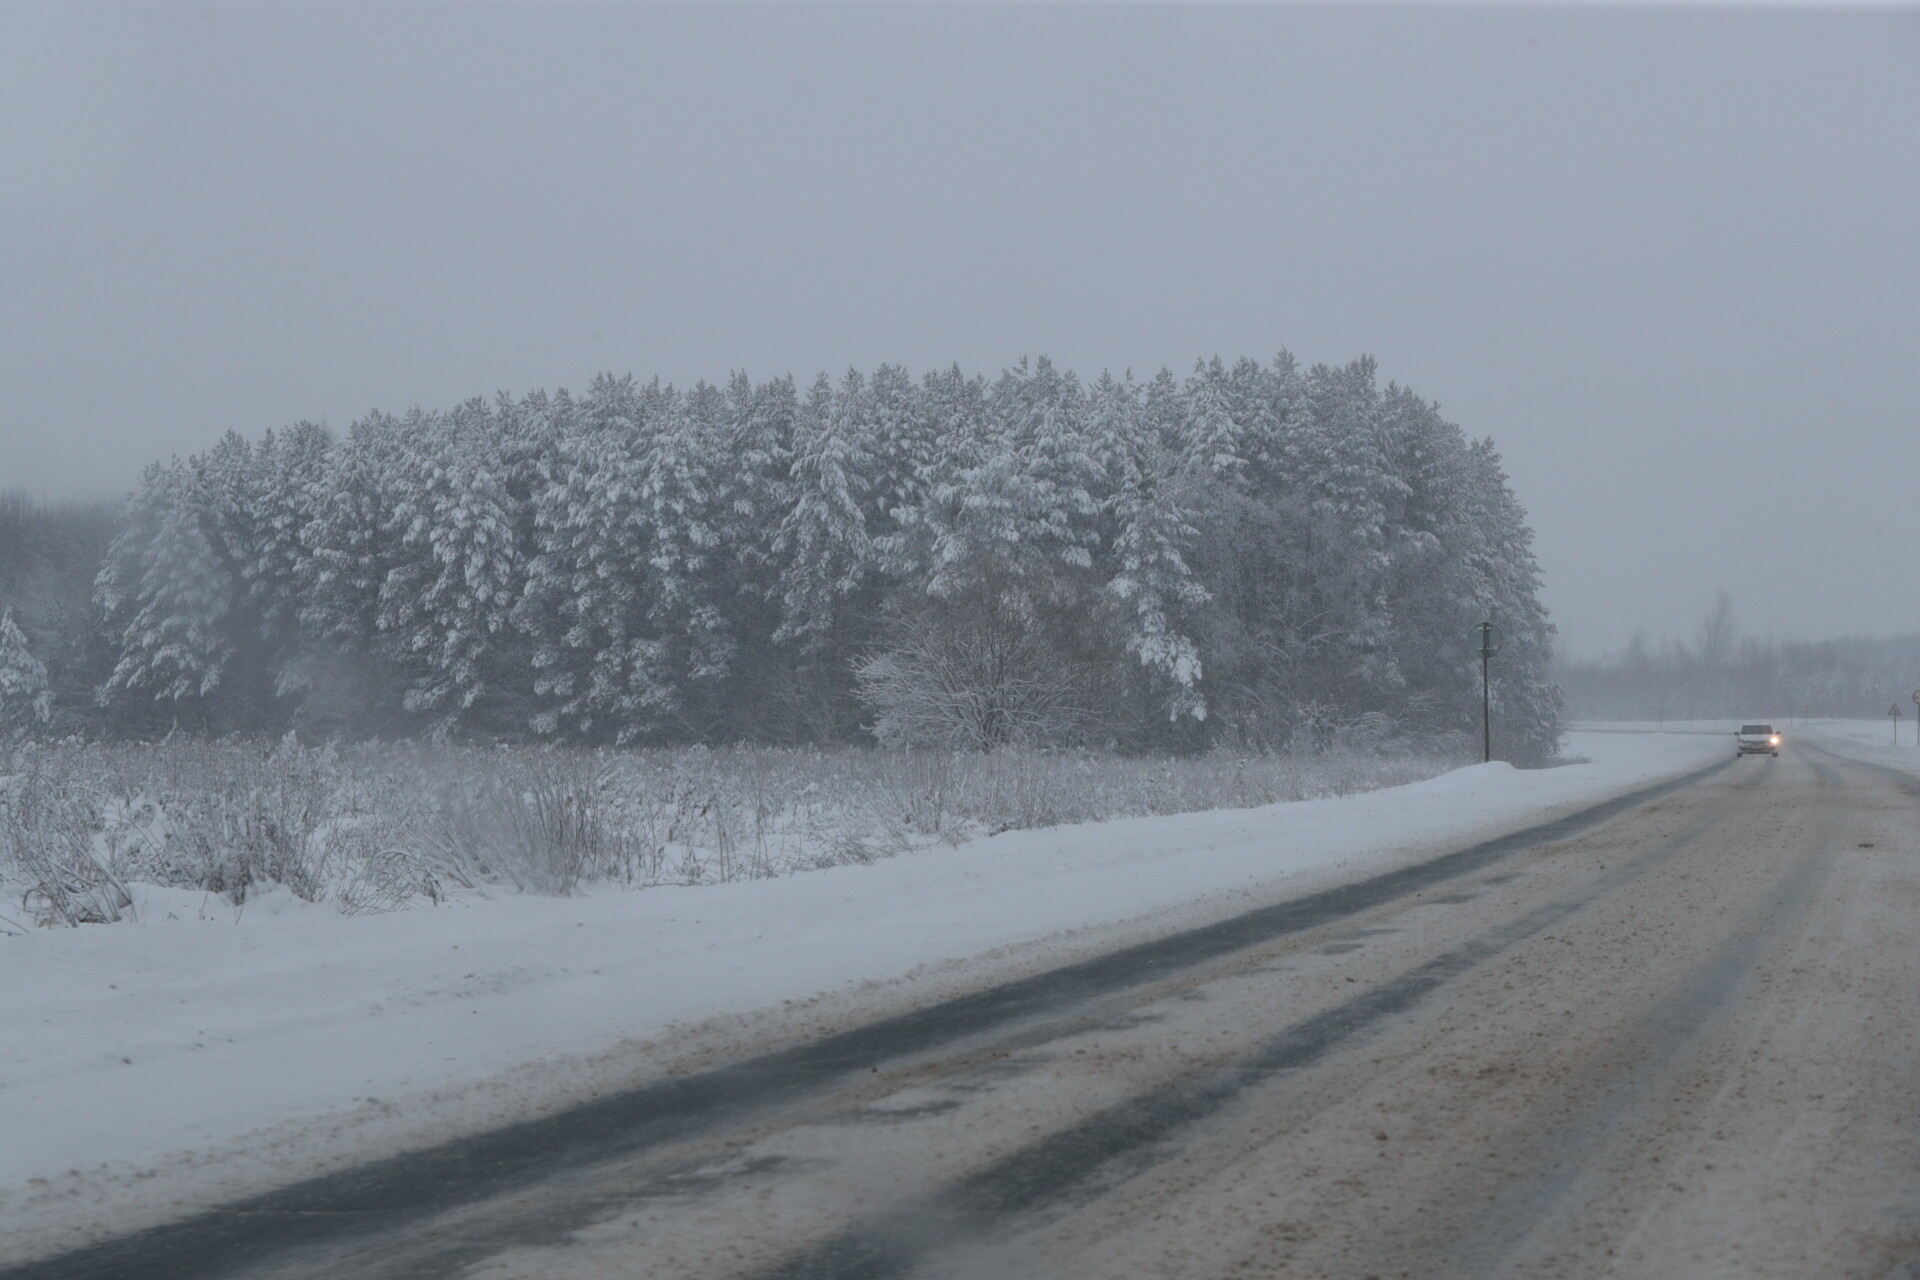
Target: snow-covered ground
[(203, 1052)]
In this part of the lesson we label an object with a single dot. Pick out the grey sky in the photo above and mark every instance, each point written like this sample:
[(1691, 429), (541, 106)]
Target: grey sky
[(1670, 261)]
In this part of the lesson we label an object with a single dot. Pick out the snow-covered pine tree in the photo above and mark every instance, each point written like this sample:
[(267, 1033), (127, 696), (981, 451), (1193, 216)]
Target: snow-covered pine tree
[(1430, 597), (825, 547), (757, 443), (236, 493), (829, 592), (906, 451), (680, 503), (457, 577), (1256, 401), (347, 675), (26, 700), (290, 468), (582, 605), (952, 412), (759, 440), (1344, 470), (1528, 706), (166, 596), (1019, 523), (1210, 438), (989, 644), (1150, 584)]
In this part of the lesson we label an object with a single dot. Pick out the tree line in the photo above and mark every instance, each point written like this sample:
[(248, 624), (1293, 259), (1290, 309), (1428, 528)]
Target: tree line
[(1254, 554), (1719, 674)]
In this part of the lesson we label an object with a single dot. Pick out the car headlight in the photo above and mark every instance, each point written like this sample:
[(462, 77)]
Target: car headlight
[(1776, 740)]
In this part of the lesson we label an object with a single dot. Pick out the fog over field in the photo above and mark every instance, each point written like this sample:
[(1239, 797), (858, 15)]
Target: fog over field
[(1664, 259)]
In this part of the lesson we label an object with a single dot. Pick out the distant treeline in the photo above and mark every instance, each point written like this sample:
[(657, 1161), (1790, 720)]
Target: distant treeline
[(1723, 676), (1254, 554)]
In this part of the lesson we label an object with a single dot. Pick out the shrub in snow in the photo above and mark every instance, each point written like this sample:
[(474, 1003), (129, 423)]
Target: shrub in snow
[(50, 842), (378, 828), (973, 675)]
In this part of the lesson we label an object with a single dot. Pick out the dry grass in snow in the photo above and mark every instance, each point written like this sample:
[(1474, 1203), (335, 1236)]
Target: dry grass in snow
[(378, 827)]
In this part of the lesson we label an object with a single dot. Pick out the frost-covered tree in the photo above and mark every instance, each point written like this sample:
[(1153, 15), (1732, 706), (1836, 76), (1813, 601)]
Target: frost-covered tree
[(905, 444), (1527, 703), (1211, 439), (1011, 513), (1156, 591), (756, 446), (26, 700), (1150, 585), (447, 598), (583, 599), (682, 502), (348, 676), (167, 595), (825, 544)]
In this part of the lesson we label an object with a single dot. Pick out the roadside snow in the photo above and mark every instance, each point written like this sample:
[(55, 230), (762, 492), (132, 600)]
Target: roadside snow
[(1868, 740), (203, 1053)]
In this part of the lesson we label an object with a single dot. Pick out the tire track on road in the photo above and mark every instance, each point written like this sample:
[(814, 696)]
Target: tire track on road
[(1028, 1188), (1516, 1223)]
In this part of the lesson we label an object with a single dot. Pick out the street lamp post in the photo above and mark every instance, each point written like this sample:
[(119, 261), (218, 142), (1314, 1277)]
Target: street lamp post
[(1489, 645)]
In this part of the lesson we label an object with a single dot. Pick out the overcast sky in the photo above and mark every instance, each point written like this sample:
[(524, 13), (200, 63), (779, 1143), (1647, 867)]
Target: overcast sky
[(1668, 260)]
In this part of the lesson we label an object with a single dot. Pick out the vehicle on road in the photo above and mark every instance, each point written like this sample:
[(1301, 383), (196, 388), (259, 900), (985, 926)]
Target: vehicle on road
[(1757, 739)]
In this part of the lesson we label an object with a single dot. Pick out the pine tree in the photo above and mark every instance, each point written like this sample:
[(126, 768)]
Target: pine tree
[(26, 700), (1153, 585), (905, 449), (582, 604), (1528, 705), (451, 593), (1210, 438), (1019, 523), (167, 594), (824, 542), (290, 470), (1350, 488), (757, 442), (680, 503)]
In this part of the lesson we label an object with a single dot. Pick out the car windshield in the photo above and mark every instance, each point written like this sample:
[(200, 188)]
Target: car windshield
[(1756, 728)]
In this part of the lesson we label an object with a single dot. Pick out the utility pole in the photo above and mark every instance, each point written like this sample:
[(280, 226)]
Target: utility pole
[(1489, 645)]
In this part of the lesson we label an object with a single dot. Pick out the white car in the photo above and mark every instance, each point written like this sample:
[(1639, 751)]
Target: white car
[(1757, 739)]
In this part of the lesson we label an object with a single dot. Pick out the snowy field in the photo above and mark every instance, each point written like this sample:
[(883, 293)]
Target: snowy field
[(1867, 740), (197, 1052)]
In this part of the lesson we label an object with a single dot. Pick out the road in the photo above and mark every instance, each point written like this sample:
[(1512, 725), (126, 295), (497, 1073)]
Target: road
[(1676, 1036)]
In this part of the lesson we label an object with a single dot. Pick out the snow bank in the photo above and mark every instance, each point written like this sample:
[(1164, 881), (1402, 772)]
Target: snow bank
[(230, 1050)]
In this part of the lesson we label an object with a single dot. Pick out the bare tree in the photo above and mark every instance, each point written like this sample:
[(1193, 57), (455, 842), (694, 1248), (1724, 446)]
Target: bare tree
[(1715, 652), (976, 678)]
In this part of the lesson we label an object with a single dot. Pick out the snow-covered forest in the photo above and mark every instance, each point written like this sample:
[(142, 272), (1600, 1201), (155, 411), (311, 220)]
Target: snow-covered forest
[(1255, 555)]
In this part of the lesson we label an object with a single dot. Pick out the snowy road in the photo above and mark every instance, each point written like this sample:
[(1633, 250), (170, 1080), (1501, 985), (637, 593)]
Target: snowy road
[(1676, 1037)]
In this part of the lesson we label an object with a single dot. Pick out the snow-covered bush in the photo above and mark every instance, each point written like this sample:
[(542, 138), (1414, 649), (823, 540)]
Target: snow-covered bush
[(380, 827), (975, 679), (51, 842)]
